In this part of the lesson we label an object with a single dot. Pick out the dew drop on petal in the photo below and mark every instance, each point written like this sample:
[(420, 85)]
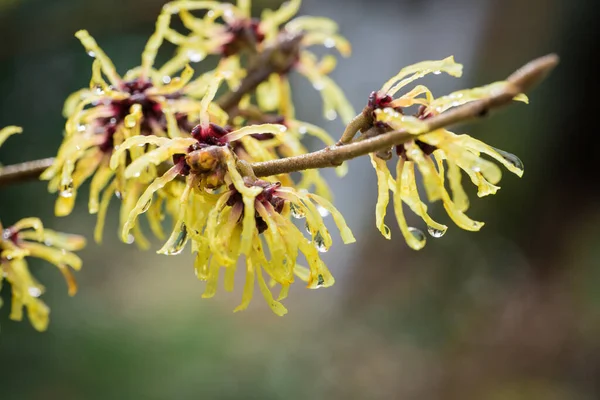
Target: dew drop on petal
[(302, 130), (297, 212), (91, 54), (322, 210), (437, 72), (66, 191), (418, 234), (319, 85), (179, 243), (130, 239), (319, 243), (320, 281), (331, 115), (329, 43), (34, 292), (511, 158), (166, 79), (80, 128), (194, 56), (436, 233)]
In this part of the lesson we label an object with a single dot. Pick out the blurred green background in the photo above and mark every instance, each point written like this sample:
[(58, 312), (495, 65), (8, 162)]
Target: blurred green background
[(509, 313)]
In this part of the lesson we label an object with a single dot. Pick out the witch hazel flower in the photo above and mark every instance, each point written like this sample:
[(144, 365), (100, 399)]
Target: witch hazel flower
[(428, 151), (99, 119), (28, 238)]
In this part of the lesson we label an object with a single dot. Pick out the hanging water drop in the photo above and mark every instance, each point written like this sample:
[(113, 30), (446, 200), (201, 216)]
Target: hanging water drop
[(418, 234), (319, 85), (92, 54), (130, 239), (66, 190), (320, 281), (297, 212), (166, 79), (511, 158), (331, 115), (329, 43), (322, 211), (436, 233), (319, 242), (34, 292), (178, 244), (302, 130), (194, 56)]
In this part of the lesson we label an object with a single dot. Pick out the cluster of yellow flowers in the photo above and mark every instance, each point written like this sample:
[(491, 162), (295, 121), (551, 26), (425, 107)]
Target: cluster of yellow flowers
[(430, 150), (164, 146), (28, 238), (163, 143)]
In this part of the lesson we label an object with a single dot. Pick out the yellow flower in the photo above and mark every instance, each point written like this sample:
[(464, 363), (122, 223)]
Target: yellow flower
[(28, 238), (143, 102), (228, 30), (428, 152), (227, 213)]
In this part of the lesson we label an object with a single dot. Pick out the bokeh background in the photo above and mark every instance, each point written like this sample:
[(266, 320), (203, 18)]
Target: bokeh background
[(512, 312)]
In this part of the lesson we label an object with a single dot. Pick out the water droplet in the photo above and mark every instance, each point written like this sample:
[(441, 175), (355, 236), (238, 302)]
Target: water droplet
[(297, 212), (118, 194), (66, 190), (476, 168), (194, 56), (329, 43), (319, 243), (437, 72), (91, 54), (210, 14), (130, 239), (331, 115), (179, 242), (319, 85), (166, 79), (418, 234), (283, 128), (34, 292), (320, 281), (436, 233), (80, 128), (98, 91), (322, 210), (302, 130), (511, 158), (113, 120)]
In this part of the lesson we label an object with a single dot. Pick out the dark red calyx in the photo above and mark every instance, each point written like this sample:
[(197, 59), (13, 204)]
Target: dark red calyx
[(245, 33), (423, 114), (377, 101), (427, 149), (213, 135), (267, 196), (10, 234)]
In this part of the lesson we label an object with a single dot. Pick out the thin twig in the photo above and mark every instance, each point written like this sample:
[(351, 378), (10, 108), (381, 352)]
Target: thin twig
[(24, 171), (279, 58), (522, 81)]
